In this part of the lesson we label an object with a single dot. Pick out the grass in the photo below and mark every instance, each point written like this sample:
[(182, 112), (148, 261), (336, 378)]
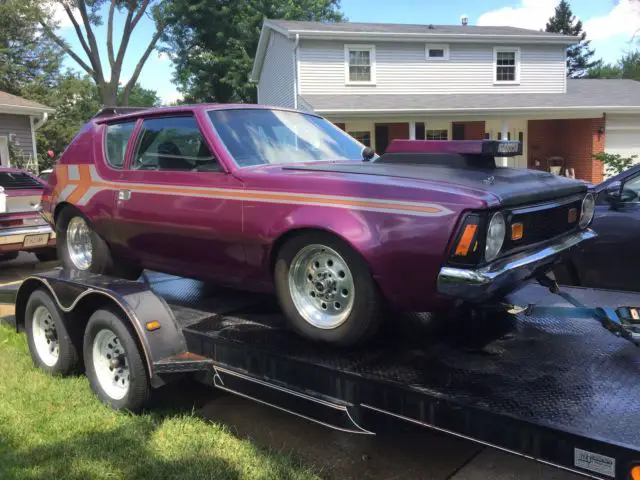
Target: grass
[(53, 428)]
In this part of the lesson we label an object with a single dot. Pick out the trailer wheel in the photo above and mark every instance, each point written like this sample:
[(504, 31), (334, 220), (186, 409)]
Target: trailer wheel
[(50, 340), (113, 362), (326, 290)]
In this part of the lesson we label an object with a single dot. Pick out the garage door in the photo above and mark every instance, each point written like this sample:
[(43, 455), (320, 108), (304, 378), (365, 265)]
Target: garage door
[(623, 135)]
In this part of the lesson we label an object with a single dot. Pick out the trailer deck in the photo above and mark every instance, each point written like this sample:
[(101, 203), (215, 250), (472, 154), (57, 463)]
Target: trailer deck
[(554, 386)]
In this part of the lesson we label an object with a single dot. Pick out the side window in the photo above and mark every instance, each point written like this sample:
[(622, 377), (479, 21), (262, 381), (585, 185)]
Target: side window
[(117, 137), (173, 143), (633, 185)]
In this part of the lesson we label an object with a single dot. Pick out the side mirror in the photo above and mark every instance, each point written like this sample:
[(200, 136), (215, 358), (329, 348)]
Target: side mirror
[(613, 193), (367, 153)]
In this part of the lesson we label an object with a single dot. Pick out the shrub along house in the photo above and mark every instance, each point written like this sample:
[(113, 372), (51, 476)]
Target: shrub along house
[(382, 81)]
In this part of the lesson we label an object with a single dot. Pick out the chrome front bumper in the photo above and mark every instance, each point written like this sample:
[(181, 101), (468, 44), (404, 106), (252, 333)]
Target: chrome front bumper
[(12, 236), (505, 275)]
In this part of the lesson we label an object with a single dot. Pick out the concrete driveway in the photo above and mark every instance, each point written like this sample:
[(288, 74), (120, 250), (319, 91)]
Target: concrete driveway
[(408, 454)]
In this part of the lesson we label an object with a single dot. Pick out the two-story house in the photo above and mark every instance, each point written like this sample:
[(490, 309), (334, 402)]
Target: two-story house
[(385, 81)]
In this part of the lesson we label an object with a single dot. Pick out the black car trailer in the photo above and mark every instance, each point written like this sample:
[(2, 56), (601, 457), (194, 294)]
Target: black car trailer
[(547, 383)]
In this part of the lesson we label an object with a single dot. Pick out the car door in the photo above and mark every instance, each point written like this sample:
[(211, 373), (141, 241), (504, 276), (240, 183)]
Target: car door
[(612, 260), (175, 203)]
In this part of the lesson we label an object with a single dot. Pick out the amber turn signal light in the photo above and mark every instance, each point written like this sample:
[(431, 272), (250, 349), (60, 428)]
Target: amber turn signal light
[(151, 326), (464, 244), (517, 231), (635, 473)]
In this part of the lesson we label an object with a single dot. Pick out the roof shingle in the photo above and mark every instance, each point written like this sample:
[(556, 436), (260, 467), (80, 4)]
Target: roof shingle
[(9, 100)]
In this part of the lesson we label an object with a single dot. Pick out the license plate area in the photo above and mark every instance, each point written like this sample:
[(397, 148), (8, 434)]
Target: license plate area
[(36, 240)]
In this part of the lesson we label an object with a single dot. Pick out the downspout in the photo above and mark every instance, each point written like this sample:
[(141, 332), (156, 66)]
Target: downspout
[(295, 71), (35, 126)]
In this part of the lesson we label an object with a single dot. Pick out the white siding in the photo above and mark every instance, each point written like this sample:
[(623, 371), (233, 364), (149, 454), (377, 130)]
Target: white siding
[(20, 126), (622, 135), (276, 85), (402, 68)]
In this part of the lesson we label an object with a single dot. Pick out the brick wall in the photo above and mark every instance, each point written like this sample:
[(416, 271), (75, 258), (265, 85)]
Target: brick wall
[(576, 140), (473, 130)]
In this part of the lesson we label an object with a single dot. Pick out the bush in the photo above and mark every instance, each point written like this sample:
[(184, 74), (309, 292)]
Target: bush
[(615, 163)]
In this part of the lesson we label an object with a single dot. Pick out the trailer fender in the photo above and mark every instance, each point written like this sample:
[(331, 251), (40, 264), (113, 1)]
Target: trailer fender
[(78, 296)]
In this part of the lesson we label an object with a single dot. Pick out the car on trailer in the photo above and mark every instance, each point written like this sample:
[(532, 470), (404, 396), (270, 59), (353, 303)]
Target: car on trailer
[(22, 229), (268, 199)]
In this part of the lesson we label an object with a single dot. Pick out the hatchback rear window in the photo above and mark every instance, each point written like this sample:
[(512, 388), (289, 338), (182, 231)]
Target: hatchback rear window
[(18, 180), (116, 140)]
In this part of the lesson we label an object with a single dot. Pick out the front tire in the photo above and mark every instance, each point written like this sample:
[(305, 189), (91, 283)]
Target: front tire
[(53, 345), (113, 362), (326, 290)]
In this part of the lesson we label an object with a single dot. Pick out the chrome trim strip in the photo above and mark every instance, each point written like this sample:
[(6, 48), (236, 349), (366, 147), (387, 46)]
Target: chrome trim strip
[(481, 442), (358, 429), (128, 311)]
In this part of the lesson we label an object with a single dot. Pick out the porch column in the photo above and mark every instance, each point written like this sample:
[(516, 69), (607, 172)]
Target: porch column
[(412, 130), (504, 135)]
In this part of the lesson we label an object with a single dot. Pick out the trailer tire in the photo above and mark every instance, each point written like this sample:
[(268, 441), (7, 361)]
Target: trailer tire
[(53, 344), (113, 362), (354, 307)]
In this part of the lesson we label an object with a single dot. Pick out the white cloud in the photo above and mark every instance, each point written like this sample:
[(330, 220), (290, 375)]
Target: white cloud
[(60, 15), (170, 96), (622, 19), (532, 14)]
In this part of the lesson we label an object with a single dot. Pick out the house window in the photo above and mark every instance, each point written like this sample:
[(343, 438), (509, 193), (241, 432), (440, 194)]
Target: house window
[(437, 52), (363, 137), (506, 64), (360, 63), (437, 134)]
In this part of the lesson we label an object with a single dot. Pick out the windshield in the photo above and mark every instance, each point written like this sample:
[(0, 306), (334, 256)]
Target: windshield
[(257, 137)]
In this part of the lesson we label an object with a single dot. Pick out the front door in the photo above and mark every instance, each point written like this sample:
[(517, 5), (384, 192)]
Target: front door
[(174, 213), (382, 138), (458, 131)]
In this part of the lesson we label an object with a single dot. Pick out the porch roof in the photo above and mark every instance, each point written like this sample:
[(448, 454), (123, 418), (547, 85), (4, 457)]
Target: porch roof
[(594, 96)]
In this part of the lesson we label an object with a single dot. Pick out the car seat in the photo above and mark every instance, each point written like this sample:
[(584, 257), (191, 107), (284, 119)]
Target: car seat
[(170, 157)]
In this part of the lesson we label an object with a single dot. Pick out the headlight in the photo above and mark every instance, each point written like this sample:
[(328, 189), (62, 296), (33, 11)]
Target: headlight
[(587, 210), (495, 237)]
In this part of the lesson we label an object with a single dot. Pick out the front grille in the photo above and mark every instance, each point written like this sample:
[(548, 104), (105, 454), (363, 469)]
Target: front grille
[(18, 180), (543, 222)]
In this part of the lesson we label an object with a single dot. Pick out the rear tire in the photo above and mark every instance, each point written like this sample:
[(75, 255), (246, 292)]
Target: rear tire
[(345, 307), (114, 364), (97, 258), (54, 346)]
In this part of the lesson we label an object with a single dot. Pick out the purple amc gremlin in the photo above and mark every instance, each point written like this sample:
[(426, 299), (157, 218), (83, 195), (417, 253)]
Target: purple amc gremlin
[(268, 199)]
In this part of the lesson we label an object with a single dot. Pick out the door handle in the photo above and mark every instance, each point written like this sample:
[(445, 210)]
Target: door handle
[(124, 195)]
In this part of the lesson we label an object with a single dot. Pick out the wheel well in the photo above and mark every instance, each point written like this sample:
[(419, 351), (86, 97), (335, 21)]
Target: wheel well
[(79, 315), (285, 237)]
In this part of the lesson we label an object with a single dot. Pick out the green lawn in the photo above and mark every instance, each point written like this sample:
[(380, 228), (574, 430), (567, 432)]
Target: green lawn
[(54, 428)]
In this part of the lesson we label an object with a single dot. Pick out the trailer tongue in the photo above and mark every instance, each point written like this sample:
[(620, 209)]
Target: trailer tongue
[(548, 383)]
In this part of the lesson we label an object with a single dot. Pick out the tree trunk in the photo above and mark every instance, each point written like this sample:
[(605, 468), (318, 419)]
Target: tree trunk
[(109, 95)]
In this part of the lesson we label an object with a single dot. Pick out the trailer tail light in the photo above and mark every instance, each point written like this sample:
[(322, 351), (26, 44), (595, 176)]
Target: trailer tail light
[(635, 473), (154, 325), (16, 222)]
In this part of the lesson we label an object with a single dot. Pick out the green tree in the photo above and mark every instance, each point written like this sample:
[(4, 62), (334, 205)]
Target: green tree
[(579, 56), (213, 42), (628, 66), (90, 15), (25, 56)]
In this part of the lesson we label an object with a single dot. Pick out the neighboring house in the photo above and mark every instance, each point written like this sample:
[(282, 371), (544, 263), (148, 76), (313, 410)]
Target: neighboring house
[(382, 81), (19, 120)]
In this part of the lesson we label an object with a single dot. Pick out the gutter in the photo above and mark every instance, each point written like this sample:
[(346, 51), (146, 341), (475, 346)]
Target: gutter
[(41, 121)]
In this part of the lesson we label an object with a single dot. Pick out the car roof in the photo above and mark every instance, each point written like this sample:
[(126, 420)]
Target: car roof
[(134, 113)]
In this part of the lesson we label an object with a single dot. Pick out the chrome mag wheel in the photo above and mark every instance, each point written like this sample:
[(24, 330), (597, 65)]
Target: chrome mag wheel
[(79, 243), (321, 286), (45, 336), (110, 364)]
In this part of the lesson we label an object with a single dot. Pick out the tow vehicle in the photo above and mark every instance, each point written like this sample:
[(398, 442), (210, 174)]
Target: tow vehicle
[(546, 382)]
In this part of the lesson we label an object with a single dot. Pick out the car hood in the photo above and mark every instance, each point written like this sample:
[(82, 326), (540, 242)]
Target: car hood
[(511, 186)]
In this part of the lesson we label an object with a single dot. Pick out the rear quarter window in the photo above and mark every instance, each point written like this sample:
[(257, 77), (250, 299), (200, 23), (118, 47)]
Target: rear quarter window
[(117, 137)]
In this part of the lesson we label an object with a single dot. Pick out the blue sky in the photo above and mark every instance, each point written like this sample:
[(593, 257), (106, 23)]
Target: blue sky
[(611, 24)]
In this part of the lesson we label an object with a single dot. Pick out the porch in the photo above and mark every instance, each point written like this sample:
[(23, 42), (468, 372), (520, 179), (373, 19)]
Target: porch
[(566, 142)]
